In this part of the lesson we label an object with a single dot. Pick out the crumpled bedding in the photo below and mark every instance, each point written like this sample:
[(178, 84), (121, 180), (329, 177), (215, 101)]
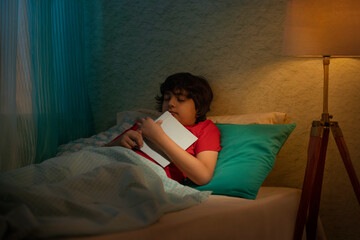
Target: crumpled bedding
[(92, 191)]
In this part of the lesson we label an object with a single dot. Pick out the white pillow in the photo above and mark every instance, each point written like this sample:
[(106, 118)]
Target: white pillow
[(254, 118)]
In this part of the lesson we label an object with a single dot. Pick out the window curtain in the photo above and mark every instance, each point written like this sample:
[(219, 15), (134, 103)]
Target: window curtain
[(43, 96)]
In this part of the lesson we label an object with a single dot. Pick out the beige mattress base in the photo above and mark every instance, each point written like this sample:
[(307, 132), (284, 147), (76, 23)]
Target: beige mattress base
[(271, 216)]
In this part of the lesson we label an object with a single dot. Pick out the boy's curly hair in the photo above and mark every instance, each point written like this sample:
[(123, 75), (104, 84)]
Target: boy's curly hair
[(196, 87)]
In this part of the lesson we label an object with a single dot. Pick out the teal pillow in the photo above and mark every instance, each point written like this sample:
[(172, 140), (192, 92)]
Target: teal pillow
[(247, 156)]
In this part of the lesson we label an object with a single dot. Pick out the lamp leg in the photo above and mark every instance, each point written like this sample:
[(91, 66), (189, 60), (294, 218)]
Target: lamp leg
[(310, 198), (311, 224), (344, 152), (310, 173)]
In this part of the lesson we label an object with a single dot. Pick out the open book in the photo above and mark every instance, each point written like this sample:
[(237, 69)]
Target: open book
[(176, 131)]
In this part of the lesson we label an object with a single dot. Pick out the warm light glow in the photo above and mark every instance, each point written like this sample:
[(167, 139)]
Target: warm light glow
[(316, 28)]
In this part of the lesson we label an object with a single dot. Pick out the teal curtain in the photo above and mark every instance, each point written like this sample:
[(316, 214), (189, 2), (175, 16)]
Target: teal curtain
[(43, 96)]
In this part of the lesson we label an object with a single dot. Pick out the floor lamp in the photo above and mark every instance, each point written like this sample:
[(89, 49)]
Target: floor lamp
[(321, 28)]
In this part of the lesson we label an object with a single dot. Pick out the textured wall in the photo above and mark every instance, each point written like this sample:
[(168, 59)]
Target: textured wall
[(236, 44)]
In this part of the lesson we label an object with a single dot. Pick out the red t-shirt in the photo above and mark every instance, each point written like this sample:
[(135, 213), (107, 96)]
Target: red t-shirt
[(208, 140)]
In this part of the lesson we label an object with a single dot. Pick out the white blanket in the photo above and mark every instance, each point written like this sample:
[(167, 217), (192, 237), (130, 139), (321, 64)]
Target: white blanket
[(93, 191)]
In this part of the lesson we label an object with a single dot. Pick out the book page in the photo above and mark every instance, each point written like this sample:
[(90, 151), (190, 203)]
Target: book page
[(176, 131)]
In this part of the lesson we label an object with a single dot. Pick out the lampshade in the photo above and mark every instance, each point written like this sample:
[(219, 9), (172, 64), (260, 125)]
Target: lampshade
[(322, 28)]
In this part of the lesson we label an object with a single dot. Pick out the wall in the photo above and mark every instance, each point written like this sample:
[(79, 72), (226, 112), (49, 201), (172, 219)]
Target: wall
[(236, 45)]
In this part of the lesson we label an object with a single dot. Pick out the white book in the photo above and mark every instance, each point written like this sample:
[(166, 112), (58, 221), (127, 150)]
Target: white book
[(176, 131)]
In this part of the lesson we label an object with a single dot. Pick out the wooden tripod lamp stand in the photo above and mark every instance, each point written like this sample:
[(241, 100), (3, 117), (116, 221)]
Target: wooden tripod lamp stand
[(322, 28)]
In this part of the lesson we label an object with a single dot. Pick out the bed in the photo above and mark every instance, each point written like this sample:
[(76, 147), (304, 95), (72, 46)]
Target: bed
[(63, 197)]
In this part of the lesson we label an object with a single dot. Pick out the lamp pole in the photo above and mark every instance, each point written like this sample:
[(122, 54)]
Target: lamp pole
[(325, 115)]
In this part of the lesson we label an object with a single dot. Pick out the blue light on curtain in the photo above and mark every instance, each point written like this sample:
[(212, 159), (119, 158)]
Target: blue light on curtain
[(43, 95)]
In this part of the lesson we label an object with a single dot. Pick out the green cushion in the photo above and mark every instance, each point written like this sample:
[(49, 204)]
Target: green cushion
[(247, 156)]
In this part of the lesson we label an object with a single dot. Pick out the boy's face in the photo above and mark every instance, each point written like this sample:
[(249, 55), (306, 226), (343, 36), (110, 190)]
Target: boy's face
[(180, 106)]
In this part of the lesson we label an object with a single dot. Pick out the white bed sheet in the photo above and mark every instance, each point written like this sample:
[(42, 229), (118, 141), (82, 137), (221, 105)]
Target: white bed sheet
[(271, 216)]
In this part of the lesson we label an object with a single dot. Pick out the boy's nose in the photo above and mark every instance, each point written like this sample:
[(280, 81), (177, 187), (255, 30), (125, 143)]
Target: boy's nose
[(172, 102)]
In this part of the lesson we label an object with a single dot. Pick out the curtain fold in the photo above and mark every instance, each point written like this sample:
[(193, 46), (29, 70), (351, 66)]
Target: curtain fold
[(43, 95)]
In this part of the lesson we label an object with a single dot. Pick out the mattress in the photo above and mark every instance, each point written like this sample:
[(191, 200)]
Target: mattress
[(271, 216)]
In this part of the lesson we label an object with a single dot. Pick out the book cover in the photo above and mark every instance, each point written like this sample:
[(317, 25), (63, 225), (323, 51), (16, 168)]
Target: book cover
[(176, 131)]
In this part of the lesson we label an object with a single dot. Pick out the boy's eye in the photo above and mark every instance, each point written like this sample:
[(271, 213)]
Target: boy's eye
[(181, 99)]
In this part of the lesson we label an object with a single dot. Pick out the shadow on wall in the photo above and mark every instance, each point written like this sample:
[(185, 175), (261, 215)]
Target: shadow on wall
[(139, 43)]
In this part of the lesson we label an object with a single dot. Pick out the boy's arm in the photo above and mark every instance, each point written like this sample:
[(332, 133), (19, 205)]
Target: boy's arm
[(199, 169)]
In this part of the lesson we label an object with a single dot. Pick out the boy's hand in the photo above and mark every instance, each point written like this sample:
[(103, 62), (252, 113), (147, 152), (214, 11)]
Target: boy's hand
[(150, 129), (131, 139)]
